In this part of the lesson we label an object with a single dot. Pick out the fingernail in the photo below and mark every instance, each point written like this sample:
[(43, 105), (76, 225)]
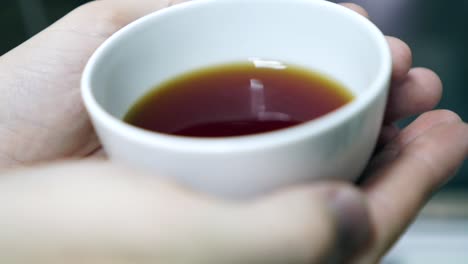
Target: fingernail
[(352, 222)]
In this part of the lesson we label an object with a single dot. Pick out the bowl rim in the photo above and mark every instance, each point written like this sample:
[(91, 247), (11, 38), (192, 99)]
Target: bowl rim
[(294, 134)]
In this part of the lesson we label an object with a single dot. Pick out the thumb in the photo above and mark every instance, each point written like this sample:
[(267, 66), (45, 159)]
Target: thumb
[(322, 223), (97, 212)]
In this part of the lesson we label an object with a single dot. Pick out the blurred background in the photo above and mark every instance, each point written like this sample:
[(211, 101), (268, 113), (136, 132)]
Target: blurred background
[(435, 30)]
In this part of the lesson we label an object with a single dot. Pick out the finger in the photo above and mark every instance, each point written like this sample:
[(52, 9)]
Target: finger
[(421, 91), (402, 58), (107, 214), (98, 154), (325, 223), (357, 8), (387, 134), (87, 213), (401, 52), (418, 162), (402, 138), (423, 124)]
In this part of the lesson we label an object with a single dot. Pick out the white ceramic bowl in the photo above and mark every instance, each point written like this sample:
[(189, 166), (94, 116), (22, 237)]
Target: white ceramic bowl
[(315, 34)]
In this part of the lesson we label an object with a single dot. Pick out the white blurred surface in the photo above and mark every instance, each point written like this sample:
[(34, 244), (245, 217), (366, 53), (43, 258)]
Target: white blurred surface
[(439, 236)]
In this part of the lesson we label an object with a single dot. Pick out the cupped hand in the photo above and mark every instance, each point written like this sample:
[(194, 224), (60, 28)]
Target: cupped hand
[(96, 212), (42, 117)]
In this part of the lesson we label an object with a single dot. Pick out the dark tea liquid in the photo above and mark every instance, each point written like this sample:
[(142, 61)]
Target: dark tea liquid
[(237, 99)]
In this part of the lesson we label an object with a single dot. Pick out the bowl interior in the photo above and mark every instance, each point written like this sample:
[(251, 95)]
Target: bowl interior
[(314, 34)]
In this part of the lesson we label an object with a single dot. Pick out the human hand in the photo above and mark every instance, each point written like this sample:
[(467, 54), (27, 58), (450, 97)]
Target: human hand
[(40, 84), (310, 224)]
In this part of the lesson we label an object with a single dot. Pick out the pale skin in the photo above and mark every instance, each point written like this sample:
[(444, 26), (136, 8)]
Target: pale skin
[(93, 211)]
